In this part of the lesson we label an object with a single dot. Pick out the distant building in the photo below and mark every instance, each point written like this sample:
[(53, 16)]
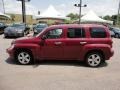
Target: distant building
[(16, 18), (4, 17)]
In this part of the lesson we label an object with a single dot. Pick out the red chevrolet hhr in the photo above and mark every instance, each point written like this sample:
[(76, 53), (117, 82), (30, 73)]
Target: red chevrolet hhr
[(86, 42)]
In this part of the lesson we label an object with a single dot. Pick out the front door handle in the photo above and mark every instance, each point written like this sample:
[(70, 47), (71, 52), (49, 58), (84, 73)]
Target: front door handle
[(82, 43), (58, 43)]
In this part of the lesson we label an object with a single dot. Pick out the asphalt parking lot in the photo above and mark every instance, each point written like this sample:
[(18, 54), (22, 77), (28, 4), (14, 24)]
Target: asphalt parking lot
[(58, 75)]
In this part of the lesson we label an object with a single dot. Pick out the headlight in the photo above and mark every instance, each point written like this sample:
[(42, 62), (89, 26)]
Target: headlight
[(12, 46), (13, 42), (20, 31), (35, 30)]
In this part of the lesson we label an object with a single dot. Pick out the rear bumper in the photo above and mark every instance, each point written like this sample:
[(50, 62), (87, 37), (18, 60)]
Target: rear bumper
[(110, 54)]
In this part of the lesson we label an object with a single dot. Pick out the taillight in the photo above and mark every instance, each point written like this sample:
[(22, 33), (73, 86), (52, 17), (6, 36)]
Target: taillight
[(111, 44)]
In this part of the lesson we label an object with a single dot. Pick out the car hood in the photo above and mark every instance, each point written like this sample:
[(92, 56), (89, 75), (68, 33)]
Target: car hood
[(25, 40), (13, 28)]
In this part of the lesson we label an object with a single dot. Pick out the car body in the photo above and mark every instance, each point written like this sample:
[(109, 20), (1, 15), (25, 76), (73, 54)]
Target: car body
[(116, 31), (17, 30), (2, 27), (39, 27), (86, 42)]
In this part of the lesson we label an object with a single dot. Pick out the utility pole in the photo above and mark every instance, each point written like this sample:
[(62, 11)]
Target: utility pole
[(3, 6), (118, 16), (23, 10), (80, 7), (80, 11)]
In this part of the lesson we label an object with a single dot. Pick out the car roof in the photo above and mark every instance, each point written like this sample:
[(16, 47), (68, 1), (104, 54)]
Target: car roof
[(76, 25)]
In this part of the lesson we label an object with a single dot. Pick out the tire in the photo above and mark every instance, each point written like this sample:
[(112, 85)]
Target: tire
[(28, 32), (24, 34), (94, 59), (24, 57), (116, 35), (5, 36)]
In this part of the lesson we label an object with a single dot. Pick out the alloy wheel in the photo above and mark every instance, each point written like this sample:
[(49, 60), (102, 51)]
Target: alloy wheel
[(94, 60), (24, 58)]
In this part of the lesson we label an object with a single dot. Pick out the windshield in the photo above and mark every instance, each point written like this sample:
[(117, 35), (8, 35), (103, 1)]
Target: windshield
[(117, 29), (41, 26), (1, 24), (40, 33), (17, 25)]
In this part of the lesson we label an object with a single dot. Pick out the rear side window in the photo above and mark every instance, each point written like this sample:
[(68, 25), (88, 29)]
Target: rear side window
[(98, 32), (76, 33)]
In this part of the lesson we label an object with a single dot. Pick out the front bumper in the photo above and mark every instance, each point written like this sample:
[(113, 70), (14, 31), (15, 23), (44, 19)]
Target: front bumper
[(10, 51), (14, 34), (1, 31)]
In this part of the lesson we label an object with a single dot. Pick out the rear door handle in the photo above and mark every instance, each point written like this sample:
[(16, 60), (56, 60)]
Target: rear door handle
[(58, 43), (82, 43)]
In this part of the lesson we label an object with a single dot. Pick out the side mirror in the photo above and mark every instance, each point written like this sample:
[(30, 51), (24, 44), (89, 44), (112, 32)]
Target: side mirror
[(43, 37)]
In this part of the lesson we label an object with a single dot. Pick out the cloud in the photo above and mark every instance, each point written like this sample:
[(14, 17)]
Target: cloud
[(102, 7), (66, 9), (15, 7)]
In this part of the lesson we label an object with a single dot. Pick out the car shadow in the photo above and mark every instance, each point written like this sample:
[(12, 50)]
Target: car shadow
[(56, 63), (10, 37), (59, 63), (10, 61), (66, 63)]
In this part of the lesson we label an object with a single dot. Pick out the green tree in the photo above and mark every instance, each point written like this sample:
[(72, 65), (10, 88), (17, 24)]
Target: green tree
[(13, 17), (73, 16), (107, 17), (114, 19)]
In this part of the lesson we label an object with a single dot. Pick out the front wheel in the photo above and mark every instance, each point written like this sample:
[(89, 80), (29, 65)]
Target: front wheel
[(116, 35), (94, 59), (24, 58)]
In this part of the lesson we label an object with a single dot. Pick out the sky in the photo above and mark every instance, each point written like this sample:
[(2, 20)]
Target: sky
[(100, 7)]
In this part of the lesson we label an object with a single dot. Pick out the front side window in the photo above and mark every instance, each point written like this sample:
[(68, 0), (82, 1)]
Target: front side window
[(56, 33), (98, 32), (76, 33)]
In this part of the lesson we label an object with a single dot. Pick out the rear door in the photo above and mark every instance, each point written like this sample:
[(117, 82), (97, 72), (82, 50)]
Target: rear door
[(74, 43)]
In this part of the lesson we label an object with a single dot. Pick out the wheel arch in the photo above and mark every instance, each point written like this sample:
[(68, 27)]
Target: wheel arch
[(95, 50), (17, 50)]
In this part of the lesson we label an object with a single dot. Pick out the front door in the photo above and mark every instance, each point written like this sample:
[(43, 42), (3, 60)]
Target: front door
[(53, 45)]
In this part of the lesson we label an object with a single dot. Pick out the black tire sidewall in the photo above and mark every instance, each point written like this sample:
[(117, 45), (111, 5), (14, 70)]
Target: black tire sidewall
[(31, 57), (116, 35)]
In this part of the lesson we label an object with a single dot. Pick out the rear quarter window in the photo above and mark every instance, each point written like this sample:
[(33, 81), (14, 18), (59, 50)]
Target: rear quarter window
[(97, 32)]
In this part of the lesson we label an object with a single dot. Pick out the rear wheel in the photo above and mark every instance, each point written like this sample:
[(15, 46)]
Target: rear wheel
[(94, 59), (24, 57)]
